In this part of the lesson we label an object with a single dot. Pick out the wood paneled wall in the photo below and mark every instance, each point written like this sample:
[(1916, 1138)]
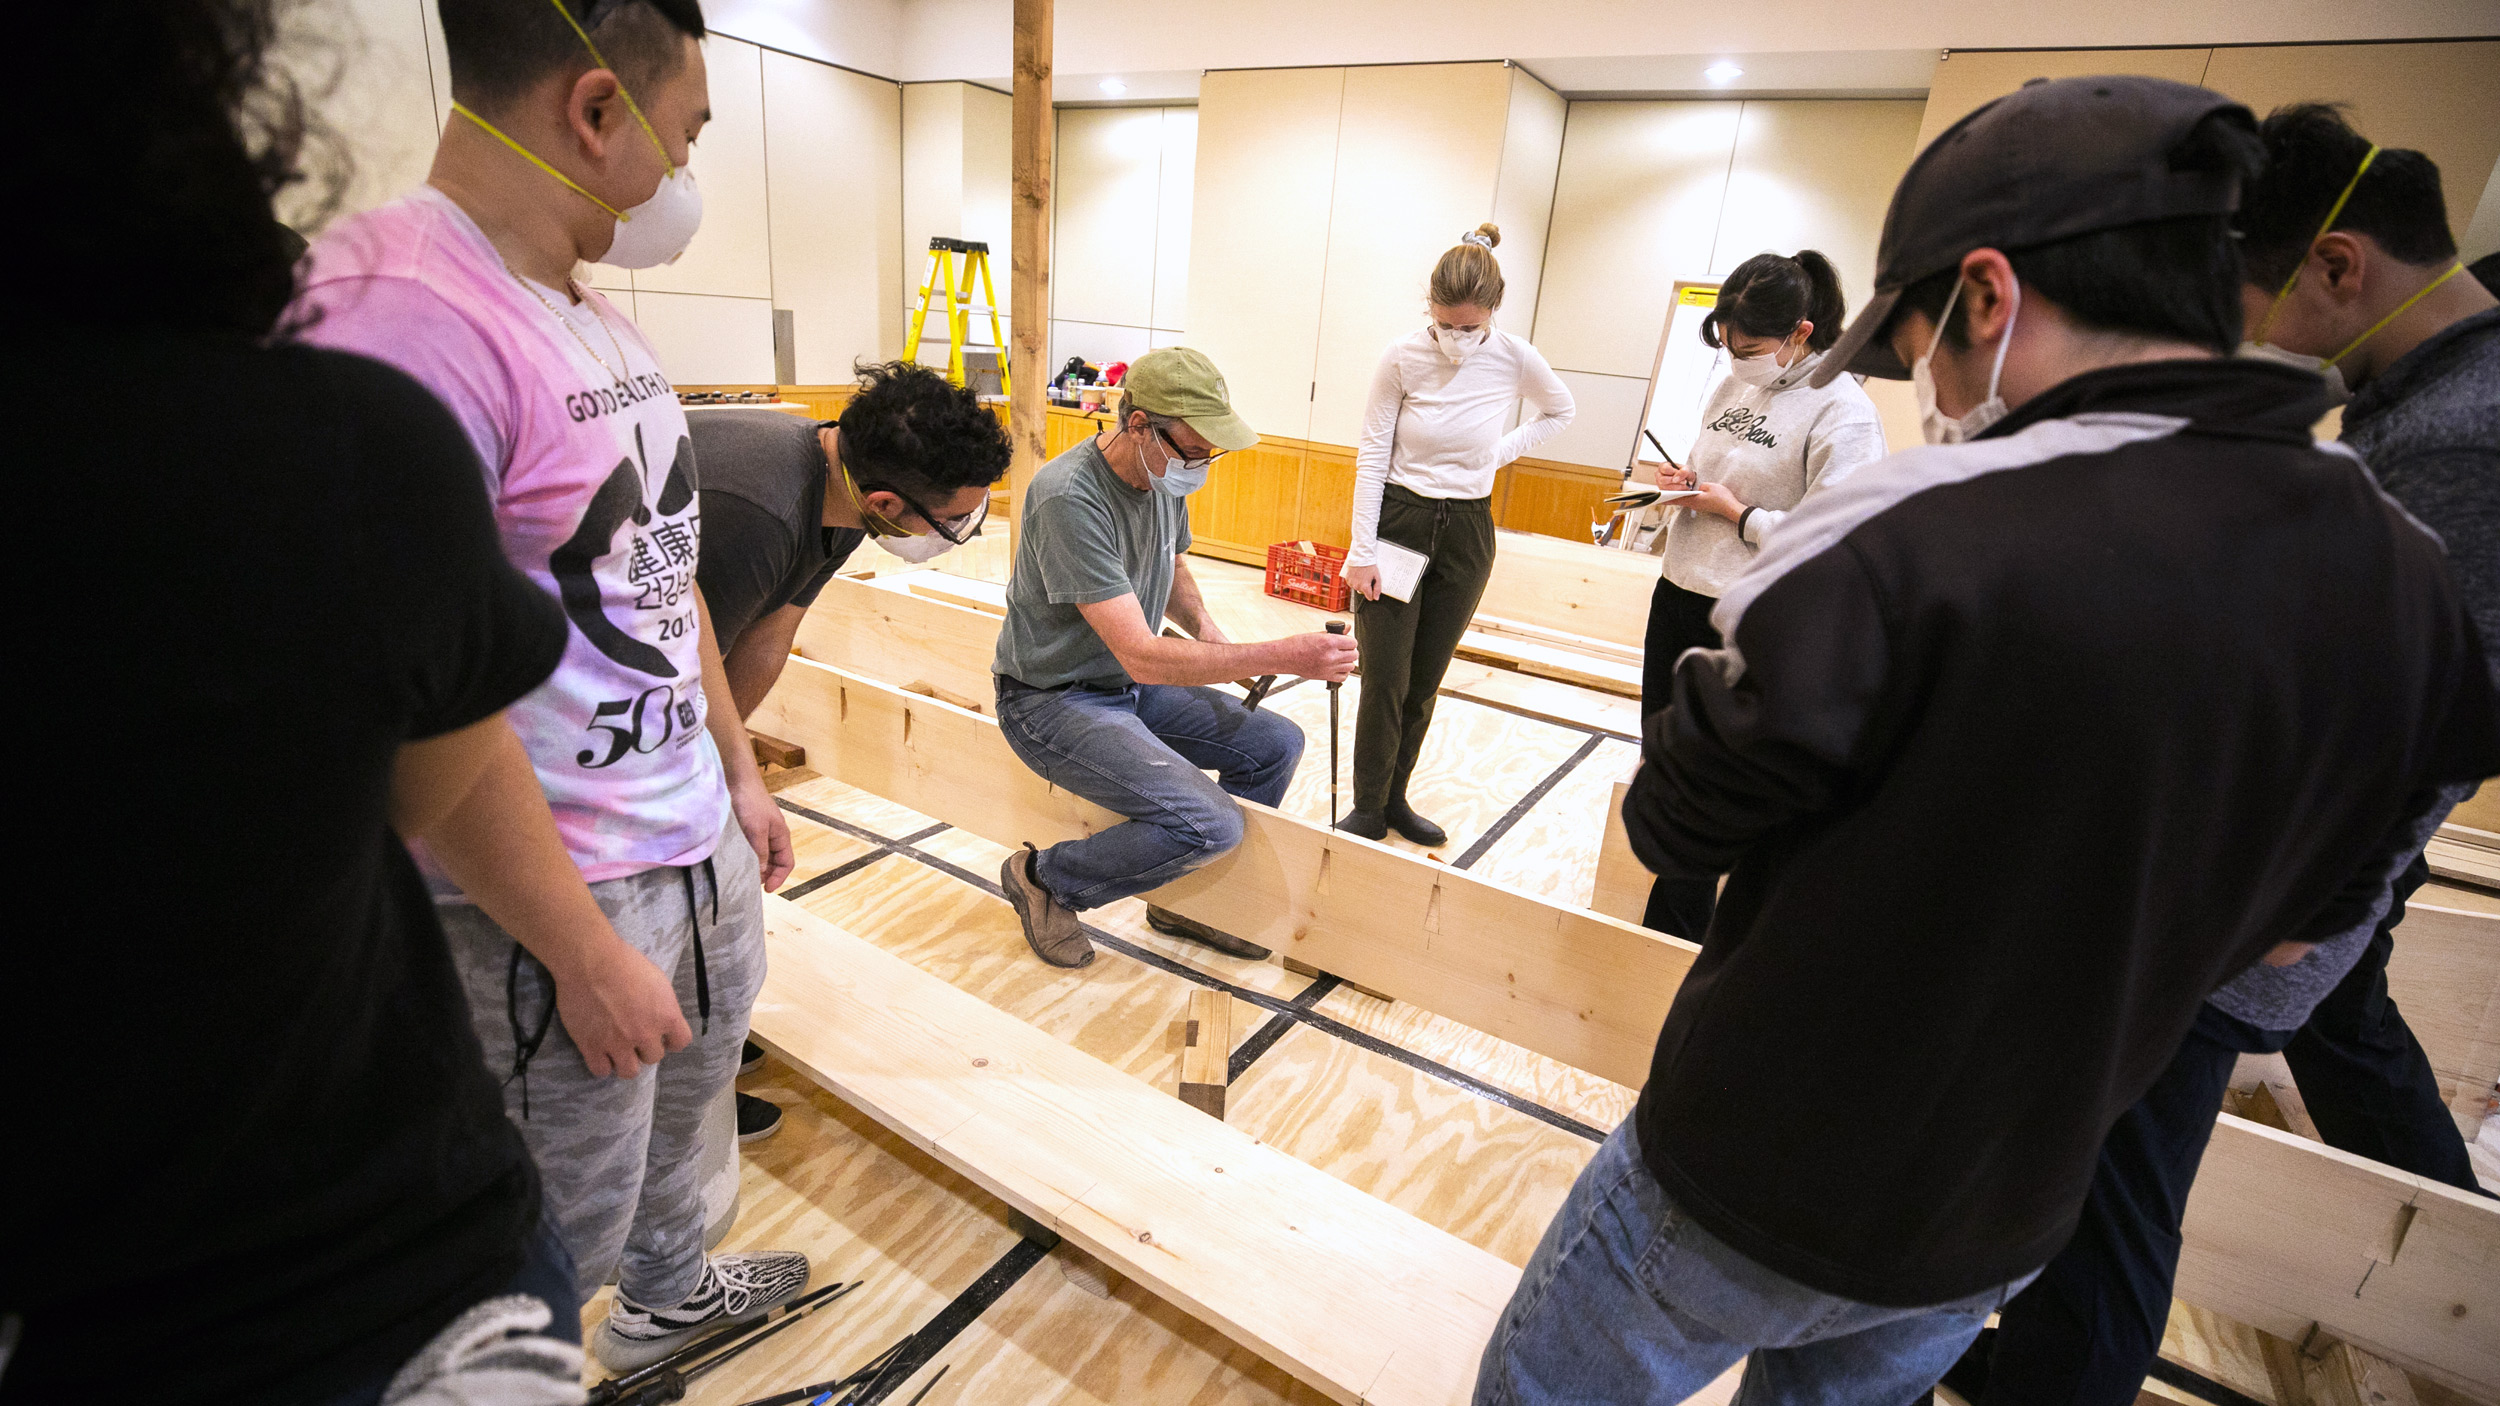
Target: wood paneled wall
[(1287, 490)]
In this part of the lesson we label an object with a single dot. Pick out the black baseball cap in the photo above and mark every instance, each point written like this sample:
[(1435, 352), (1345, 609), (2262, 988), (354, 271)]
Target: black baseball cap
[(2047, 162)]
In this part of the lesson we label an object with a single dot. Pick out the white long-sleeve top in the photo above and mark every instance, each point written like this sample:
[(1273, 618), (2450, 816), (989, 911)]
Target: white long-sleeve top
[(1434, 427)]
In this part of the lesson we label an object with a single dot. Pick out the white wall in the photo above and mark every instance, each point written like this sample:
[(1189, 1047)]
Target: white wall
[(1653, 193), (956, 176), (1122, 184), (859, 34), (801, 171)]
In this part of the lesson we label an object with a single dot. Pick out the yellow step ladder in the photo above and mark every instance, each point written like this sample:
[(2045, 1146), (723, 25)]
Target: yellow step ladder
[(943, 277)]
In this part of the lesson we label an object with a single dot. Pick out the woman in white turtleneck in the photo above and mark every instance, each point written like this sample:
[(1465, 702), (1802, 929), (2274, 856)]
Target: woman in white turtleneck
[(1767, 439), (1423, 479)]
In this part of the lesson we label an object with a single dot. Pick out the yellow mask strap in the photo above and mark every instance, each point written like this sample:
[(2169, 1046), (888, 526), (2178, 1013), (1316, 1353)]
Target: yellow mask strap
[(533, 159), (879, 524), (636, 108), (2425, 291), (2324, 227)]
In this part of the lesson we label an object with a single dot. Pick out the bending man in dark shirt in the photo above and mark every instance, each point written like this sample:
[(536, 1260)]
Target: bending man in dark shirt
[(1993, 759), (786, 501)]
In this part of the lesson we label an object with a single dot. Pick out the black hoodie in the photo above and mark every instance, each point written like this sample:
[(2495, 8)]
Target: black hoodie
[(2019, 749)]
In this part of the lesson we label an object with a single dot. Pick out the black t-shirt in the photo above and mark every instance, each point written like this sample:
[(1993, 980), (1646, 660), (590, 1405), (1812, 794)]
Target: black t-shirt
[(765, 543), (257, 1153)]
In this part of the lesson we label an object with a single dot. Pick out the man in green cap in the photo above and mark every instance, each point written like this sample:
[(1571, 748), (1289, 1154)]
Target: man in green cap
[(1096, 699)]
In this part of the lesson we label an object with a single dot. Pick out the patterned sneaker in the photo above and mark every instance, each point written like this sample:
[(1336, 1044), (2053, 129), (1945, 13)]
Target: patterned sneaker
[(735, 1288)]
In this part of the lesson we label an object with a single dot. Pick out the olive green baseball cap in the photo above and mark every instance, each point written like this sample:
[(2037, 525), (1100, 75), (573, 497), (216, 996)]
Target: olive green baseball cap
[(1182, 383)]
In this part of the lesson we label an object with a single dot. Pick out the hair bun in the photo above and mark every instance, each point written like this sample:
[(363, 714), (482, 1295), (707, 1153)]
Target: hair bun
[(1487, 235)]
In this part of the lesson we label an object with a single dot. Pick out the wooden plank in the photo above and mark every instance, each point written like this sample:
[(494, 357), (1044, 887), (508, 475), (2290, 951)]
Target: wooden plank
[(1361, 1301), (772, 751), (1570, 586), (2461, 862), (946, 589), (2444, 974), (1206, 1051), (2283, 1233), (1560, 639), (1622, 882), (1586, 989), (906, 641), (1548, 661)]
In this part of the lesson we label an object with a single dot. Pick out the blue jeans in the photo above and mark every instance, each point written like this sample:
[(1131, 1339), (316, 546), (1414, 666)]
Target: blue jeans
[(1628, 1299), (1139, 751)]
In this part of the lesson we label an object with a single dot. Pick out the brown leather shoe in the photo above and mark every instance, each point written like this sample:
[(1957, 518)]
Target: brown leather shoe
[(1051, 928), (1171, 924)]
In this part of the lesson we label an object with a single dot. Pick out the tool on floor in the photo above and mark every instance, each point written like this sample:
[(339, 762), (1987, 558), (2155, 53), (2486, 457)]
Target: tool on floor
[(824, 1391), (614, 1389), (671, 1383), (1335, 627), (959, 307), (922, 1394)]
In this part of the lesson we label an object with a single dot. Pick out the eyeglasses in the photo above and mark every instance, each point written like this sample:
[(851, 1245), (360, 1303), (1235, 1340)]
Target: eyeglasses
[(1184, 455), (955, 531)]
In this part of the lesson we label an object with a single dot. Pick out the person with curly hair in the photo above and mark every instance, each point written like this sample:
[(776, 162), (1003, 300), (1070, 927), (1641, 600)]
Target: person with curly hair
[(786, 501)]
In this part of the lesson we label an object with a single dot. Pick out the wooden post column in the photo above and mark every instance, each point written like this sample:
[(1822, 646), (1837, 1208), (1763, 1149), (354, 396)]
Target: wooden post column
[(1028, 364)]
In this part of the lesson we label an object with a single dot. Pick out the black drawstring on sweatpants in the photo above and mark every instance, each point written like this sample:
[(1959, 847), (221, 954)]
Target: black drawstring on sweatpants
[(525, 1042), (694, 916)]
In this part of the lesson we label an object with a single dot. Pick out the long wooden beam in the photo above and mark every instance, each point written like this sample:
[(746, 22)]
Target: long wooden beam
[(1352, 1296), (1572, 587), (1577, 986), (1592, 991)]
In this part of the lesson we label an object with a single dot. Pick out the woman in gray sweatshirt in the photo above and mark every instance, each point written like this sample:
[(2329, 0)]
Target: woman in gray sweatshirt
[(1767, 439)]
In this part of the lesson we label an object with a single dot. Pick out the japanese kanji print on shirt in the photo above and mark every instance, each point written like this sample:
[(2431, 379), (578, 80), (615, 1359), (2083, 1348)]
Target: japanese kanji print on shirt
[(593, 479)]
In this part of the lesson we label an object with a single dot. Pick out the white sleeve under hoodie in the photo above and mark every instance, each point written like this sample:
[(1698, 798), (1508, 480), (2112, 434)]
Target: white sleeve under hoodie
[(1434, 427)]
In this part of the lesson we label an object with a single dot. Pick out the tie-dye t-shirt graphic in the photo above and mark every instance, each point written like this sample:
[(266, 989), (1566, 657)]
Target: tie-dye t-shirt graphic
[(593, 479)]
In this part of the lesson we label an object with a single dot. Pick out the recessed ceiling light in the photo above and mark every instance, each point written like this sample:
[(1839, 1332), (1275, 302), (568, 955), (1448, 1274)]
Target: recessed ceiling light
[(1723, 72), (1113, 87)]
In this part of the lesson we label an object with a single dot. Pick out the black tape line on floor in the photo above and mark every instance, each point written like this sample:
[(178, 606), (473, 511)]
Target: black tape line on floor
[(1493, 834), (967, 1307), (1274, 1029)]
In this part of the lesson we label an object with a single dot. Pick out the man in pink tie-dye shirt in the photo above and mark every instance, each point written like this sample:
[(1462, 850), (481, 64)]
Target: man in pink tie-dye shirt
[(557, 155)]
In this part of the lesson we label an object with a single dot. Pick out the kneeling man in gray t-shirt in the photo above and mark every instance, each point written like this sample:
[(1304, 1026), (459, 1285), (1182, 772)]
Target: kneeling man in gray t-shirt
[(1098, 701)]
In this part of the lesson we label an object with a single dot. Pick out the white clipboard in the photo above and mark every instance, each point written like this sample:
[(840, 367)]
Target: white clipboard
[(1401, 570)]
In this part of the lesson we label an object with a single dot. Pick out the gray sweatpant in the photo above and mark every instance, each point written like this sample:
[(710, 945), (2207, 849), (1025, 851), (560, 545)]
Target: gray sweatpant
[(619, 1157)]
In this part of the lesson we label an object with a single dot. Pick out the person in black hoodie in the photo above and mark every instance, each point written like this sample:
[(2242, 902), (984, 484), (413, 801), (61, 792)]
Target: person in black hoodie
[(2349, 268), (2020, 746)]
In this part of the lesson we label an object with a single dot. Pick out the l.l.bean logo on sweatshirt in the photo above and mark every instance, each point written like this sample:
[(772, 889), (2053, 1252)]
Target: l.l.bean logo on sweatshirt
[(1745, 425)]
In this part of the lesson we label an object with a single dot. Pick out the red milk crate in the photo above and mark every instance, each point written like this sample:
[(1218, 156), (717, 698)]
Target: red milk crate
[(1309, 573)]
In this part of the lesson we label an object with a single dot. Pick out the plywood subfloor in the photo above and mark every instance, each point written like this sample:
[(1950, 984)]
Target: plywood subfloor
[(1458, 1128)]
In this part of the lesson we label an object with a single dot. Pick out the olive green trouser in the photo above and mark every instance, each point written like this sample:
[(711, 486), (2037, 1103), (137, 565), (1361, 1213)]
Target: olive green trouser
[(1406, 644)]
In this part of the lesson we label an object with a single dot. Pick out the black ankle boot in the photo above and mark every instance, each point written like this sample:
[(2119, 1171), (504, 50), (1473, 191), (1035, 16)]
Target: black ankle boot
[(1365, 824), (1402, 818)]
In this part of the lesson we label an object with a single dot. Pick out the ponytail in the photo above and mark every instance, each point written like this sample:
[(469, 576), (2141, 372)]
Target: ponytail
[(1769, 294)]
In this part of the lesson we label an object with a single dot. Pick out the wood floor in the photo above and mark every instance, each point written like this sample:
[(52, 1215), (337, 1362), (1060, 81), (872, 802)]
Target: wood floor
[(1464, 1131)]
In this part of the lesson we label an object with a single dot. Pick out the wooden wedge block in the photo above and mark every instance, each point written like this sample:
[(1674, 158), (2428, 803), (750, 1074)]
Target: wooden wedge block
[(1207, 1051), (772, 751)]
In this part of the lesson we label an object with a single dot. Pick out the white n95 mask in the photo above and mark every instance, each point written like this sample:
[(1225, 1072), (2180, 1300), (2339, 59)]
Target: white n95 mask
[(1934, 424), (1456, 345), (658, 230), (926, 547)]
